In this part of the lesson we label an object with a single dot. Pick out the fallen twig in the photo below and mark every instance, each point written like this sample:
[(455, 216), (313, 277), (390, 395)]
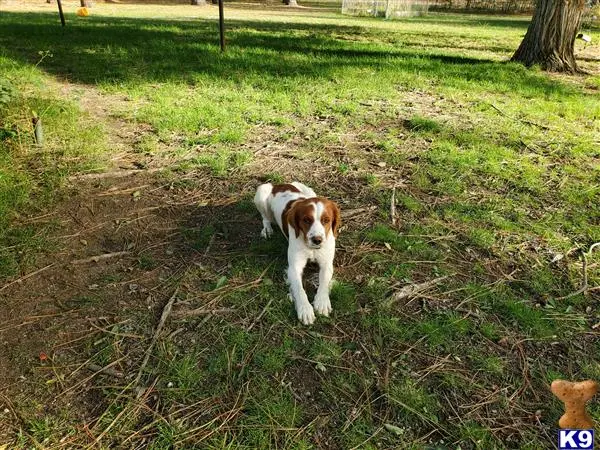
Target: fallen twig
[(201, 312), (23, 278), (33, 319), (97, 258), (161, 323), (114, 333), (412, 289), (544, 127), (584, 285), (356, 212), (114, 191), (210, 243), (130, 409), (87, 379), (393, 206), (262, 313), (106, 370), (112, 174)]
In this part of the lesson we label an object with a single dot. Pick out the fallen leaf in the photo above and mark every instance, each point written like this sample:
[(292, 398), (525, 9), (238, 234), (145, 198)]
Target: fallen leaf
[(221, 282)]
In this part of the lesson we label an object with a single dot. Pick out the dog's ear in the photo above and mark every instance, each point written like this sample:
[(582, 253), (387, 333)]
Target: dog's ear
[(294, 217), (336, 218)]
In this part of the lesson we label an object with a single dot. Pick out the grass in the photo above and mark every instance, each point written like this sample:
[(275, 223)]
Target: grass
[(496, 182)]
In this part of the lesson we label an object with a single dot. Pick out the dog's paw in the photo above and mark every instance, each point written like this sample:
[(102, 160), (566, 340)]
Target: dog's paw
[(322, 305), (266, 232), (306, 314)]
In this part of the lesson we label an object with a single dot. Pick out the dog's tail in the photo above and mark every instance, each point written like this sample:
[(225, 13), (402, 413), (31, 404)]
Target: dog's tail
[(308, 192)]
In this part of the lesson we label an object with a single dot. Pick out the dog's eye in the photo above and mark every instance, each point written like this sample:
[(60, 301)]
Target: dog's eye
[(325, 220), (307, 220)]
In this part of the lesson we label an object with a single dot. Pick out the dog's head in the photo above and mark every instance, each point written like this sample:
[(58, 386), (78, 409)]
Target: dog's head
[(315, 219)]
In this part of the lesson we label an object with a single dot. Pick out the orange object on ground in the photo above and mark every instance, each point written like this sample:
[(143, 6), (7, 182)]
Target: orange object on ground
[(82, 12), (575, 396)]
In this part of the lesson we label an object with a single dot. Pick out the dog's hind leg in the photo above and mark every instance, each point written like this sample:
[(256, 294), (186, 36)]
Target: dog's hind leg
[(261, 199)]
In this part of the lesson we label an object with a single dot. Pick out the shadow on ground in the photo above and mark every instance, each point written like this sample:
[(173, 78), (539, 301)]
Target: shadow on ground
[(116, 259), (117, 50)]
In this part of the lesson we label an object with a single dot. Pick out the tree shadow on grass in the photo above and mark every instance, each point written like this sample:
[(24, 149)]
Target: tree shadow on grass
[(130, 50)]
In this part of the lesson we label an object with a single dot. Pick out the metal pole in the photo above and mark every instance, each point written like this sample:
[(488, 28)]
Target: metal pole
[(60, 13), (221, 26)]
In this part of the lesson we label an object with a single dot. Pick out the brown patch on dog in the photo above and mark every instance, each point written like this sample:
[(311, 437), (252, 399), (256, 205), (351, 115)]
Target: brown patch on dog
[(300, 214), (330, 218), (285, 216), (277, 188)]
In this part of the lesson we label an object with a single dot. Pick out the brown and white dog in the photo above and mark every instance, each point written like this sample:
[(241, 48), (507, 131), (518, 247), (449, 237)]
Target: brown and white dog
[(311, 225)]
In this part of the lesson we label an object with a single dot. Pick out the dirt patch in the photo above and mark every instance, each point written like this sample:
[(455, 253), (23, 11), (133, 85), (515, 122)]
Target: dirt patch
[(120, 242)]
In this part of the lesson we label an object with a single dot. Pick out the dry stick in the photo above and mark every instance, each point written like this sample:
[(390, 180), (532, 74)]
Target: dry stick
[(413, 289), (23, 278), (162, 419), (122, 191), (35, 219), (161, 323), (114, 333), (114, 421), (201, 312), (361, 445), (33, 319), (545, 127), (393, 206), (230, 414), (355, 212), (210, 243), (85, 336), (584, 286), (113, 174), (82, 382), (262, 313), (97, 258), (435, 425), (108, 371)]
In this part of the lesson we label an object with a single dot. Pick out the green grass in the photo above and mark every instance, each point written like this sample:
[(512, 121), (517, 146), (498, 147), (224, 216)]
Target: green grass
[(495, 173), (31, 177)]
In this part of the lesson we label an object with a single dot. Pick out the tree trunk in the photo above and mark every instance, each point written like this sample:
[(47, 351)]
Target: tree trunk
[(83, 3), (550, 38)]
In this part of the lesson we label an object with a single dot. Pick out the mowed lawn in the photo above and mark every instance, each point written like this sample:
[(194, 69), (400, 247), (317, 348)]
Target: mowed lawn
[(492, 170)]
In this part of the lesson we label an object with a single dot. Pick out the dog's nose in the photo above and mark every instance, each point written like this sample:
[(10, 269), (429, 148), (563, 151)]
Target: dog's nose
[(317, 240)]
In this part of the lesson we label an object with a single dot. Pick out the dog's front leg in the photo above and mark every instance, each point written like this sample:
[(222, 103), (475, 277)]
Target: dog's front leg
[(304, 309), (322, 304)]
